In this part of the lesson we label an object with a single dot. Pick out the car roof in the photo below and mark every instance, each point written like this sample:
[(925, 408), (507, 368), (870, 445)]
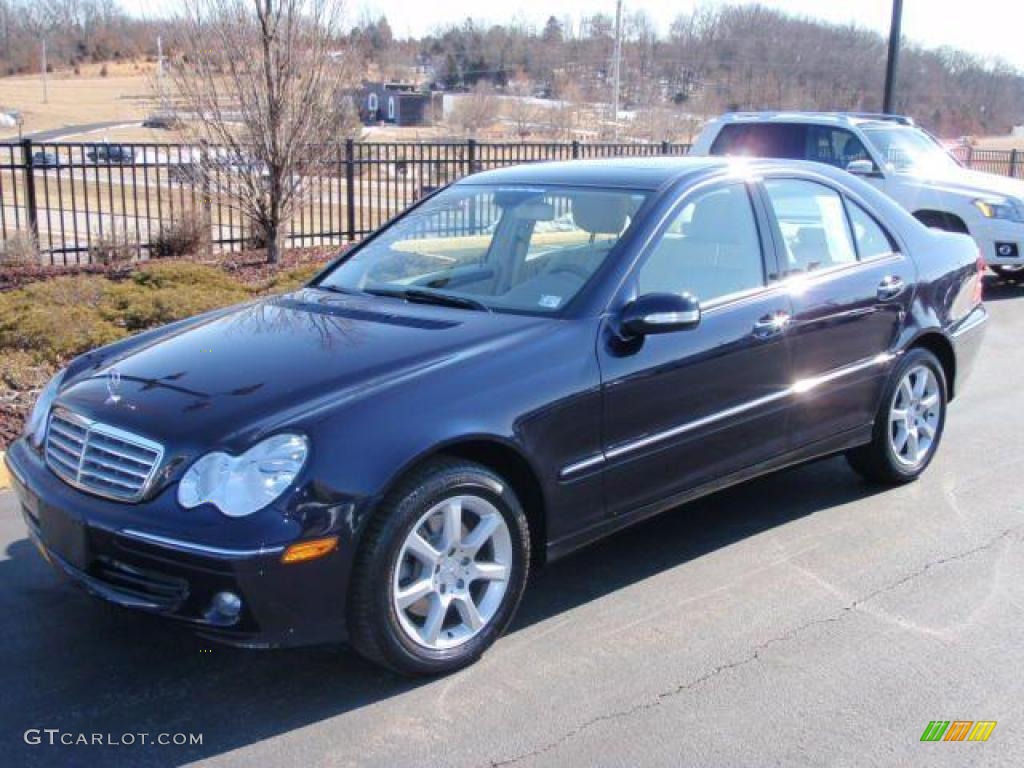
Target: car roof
[(623, 172), (642, 173), (819, 118)]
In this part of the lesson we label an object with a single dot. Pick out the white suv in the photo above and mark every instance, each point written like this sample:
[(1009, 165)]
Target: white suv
[(899, 158)]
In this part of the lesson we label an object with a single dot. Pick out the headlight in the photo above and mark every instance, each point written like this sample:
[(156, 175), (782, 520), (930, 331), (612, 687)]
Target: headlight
[(1000, 209), (35, 426), (241, 485)]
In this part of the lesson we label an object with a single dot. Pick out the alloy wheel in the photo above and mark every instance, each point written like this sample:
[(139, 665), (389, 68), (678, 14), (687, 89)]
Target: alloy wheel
[(452, 572), (914, 416)]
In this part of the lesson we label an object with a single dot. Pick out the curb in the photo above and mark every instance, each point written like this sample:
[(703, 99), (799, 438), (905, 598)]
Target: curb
[(5, 479)]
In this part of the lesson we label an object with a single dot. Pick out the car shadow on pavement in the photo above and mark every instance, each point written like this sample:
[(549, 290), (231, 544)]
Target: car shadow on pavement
[(85, 667)]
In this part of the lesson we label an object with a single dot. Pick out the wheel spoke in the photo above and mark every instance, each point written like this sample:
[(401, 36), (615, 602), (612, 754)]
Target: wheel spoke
[(906, 394), (920, 382), (930, 401), (469, 613), (489, 572), (913, 446), (927, 428), (479, 535), (451, 533), (435, 619), (414, 593), (899, 442), (898, 416), (420, 548)]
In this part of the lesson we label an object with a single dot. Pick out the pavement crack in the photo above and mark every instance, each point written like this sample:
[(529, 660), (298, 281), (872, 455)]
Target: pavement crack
[(755, 653)]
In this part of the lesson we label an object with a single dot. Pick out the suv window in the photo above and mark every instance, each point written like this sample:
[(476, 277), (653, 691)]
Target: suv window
[(813, 223), (779, 140), (710, 249), (872, 241), (834, 146)]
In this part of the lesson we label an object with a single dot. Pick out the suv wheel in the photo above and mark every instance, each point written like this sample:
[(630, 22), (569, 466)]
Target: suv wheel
[(1009, 271), (441, 570), (909, 423)]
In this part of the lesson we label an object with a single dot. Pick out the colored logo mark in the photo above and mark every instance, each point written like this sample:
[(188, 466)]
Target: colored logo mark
[(958, 730)]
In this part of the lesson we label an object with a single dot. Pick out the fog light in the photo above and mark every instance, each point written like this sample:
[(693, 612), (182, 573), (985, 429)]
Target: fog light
[(227, 604), (309, 550)]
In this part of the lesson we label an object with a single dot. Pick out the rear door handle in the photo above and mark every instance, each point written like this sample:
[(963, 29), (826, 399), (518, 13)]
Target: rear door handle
[(772, 324), (891, 287)]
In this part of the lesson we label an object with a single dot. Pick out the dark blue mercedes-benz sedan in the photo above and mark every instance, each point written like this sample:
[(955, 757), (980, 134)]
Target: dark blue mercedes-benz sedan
[(520, 364)]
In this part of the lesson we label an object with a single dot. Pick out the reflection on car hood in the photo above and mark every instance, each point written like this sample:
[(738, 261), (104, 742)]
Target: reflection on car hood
[(976, 183), (245, 368)]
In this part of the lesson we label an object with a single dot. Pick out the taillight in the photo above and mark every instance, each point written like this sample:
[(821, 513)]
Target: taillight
[(979, 279)]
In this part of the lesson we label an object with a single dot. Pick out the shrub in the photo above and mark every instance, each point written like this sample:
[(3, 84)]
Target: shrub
[(55, 320), (291, 280), (185, 236), (161, 293), (111, 249), (19, 250)]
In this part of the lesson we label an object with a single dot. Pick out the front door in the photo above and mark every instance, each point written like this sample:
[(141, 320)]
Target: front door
[(850, 287), (686, 407)]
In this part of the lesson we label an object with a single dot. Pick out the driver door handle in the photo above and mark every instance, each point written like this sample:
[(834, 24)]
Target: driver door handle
[(891, 287), (772, 324)]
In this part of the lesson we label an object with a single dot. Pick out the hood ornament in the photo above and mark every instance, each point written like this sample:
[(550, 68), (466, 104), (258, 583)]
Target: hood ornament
[(113, 387)]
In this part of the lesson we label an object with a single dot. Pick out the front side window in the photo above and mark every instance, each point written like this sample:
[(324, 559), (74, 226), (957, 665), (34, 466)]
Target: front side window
[(834, 146), (507, 248), (812, 220), (710, 249)]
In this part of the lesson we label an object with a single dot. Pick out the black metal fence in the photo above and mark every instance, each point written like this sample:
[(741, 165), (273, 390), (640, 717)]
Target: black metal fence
[(77, 199)]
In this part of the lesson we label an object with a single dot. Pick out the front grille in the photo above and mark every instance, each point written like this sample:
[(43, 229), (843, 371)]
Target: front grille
[(100, 459)]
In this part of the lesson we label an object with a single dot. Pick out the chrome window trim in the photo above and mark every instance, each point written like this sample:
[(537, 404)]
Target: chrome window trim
[(93, 426), (194, 548), (797, 388)]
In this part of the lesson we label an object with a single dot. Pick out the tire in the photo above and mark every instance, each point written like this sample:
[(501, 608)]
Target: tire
[(1009, 272), (890, 458), (400, 586)]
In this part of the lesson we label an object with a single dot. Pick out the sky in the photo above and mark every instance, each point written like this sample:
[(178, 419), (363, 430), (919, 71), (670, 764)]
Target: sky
[(993, 31)]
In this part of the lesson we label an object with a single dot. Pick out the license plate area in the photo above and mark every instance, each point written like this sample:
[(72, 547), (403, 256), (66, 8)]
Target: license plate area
[(64, 535)]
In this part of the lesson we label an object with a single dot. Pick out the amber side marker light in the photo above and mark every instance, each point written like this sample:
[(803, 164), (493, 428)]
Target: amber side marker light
[(309, 550)]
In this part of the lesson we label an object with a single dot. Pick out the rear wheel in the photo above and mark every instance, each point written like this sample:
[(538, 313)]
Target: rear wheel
[(441, 570), (909, 423)]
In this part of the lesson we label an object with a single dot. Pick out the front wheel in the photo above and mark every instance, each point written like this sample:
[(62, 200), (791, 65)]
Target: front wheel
[(909, 423), (1013, 272), (440, 571)]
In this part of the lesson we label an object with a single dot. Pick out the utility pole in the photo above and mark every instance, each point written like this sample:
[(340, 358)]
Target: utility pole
[(46, 97), (617, 68), (894, 52), (160, 74)]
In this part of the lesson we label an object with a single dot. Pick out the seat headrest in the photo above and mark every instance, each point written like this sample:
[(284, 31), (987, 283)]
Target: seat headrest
[(714, 214), (600, 213)]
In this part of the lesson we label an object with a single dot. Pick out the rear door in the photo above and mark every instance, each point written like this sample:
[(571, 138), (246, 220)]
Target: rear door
[(851, 288)]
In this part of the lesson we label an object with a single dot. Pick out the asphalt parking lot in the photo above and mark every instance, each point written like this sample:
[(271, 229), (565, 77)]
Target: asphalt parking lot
[(802, 619)]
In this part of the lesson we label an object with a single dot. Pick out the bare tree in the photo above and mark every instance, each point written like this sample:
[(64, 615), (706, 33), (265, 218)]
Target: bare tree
[(522, 112), (476, 110), (261, 80)]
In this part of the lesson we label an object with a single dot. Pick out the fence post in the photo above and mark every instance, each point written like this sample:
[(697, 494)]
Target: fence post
[(470, 156), (350, 189), (1013, 163), (969, 160), (206, 192), (575, 149), (28, 168)]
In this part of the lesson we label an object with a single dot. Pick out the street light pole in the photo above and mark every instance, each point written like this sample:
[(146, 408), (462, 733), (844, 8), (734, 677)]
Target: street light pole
[(616, 68), (894, 52)]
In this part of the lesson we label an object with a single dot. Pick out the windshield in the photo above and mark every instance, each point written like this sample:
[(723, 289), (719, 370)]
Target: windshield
[(909, 150), (511, 248)]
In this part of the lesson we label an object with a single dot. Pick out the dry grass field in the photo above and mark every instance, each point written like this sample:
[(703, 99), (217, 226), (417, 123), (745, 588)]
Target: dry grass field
[(124, 94)]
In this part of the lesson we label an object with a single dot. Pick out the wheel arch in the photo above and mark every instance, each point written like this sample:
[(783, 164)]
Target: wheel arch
[(505, 459), (939, 345), (944, 220)]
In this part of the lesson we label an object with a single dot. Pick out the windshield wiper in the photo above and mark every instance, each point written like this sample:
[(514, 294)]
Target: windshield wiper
[(419, 296), (336, 289)]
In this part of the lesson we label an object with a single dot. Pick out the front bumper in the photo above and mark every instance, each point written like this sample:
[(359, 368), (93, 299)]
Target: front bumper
[(1001, 242), (177, 577)]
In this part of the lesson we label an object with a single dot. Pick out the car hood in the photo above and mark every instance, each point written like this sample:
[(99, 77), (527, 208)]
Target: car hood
[(973, 183), (264, 365)]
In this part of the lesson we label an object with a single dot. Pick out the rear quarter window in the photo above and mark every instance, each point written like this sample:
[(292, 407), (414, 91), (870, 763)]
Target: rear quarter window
[(776, 140)]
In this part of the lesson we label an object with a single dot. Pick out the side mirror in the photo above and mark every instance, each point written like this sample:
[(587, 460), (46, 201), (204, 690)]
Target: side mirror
[(660, 313), (861, 168)]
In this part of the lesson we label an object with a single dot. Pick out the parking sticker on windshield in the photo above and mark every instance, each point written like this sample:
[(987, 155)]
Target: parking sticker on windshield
[(550, 302)]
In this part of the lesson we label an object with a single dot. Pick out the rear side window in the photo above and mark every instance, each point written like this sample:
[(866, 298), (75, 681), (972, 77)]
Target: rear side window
[(813, 223), (777, 140), (711, 249), (871, 239)]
